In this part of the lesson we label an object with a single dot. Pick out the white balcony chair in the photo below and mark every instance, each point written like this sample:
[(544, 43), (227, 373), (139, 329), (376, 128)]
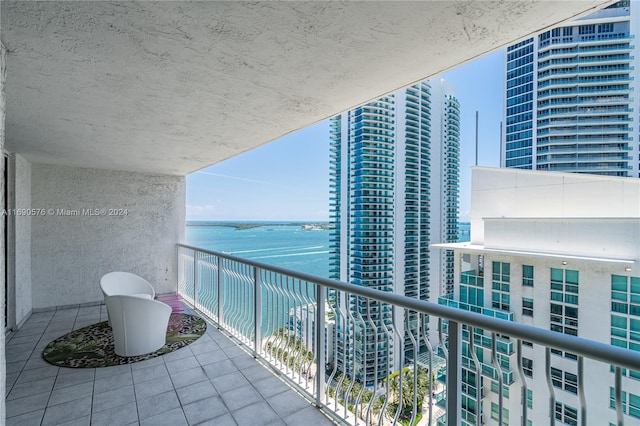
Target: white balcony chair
[(139, 325), (115, 283)]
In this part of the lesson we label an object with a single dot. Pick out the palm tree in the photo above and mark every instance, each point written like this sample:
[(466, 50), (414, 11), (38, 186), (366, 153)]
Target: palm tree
[(407, 401)]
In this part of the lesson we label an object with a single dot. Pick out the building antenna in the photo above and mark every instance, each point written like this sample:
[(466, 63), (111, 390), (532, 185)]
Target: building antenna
[(476, 138)]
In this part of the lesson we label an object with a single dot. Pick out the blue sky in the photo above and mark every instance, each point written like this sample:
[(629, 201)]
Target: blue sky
[(288, 179)]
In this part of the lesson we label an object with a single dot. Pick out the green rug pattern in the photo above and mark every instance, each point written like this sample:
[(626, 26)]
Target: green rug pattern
[(92, 346)]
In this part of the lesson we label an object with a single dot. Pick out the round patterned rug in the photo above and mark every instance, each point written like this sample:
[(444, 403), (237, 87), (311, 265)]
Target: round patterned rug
[(92, 346)]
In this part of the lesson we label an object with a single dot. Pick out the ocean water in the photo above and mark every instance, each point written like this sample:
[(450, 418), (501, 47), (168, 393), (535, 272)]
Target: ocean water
[(284, 245), (464, 232)]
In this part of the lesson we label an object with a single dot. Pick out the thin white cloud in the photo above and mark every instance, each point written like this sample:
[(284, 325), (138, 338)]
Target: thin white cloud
[(242, 179)]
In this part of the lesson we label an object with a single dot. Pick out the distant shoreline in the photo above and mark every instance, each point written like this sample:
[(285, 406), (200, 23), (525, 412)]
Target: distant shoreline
[(239, 226), (250, 225)]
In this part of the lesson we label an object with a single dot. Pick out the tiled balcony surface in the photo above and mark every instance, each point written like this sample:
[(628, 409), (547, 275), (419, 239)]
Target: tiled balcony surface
[(210, 382)]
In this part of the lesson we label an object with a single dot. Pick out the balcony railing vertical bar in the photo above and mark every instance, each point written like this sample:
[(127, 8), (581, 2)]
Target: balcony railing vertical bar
[(476, 363), (320, 345), (376, 335), (443, 347), (272, 301), (301, 303), (389, 352), (257, 309), (285, 307), (289, 305), (498, 367), (287, 290), (454, 367), (400, 351), (336, 346), (196, 277), (351, 366), (221, 285), (249, 321), (365, 354), (180, 275), (306, 305), (523, 379), (581, 395), (552, 393), (618, 395), (432, 376), (233, 288), (414, 345)]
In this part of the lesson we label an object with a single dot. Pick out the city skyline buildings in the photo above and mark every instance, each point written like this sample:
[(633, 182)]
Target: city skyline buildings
[(394, 191), (572, 96)]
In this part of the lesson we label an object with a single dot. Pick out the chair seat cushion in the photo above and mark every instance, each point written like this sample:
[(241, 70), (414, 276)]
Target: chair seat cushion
[(142, 295)]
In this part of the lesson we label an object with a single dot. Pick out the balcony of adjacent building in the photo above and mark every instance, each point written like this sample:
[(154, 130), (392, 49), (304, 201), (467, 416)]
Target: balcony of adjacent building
[(590, 128), (582, 111), (614, 89), (595, 119), (611, 169), (588, 60), (572, 41), (585, 70), (584, 81), (610, 158)]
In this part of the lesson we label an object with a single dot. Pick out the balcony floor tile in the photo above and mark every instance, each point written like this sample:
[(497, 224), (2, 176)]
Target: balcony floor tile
[(211, 382), (196, 392), (189, 377), (28, 419)]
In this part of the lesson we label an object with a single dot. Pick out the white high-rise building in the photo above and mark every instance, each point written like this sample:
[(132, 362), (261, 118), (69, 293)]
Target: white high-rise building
[(394, 191), (573, 96), (559, 251)]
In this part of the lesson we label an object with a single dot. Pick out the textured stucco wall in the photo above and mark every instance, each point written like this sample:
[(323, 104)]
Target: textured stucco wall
[(3, 361), (21, 253), (70, 253)]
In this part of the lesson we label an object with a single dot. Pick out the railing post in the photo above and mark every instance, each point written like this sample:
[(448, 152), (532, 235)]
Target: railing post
[(581, 395), (257, 311), (454, 379), (523, 379), (320, 344), (177, 269), (552, 393), (195, 278), (618, 395), (220, 291), (496, 364)]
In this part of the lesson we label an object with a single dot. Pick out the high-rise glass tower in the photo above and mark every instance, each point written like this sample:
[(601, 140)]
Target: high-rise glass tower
[(573, 96), (394, 190)]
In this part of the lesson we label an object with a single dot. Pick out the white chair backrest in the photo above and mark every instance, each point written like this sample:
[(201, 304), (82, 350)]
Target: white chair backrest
[(115, 283), (139, 325)]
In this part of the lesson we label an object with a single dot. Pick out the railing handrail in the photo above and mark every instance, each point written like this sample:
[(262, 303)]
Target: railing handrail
[(580, 346)]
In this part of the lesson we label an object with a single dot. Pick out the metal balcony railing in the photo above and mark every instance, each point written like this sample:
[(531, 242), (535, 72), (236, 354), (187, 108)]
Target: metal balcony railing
[(352, 354)]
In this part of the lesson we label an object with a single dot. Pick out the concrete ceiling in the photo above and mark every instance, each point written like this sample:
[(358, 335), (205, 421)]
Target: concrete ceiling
[(171, 87)]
